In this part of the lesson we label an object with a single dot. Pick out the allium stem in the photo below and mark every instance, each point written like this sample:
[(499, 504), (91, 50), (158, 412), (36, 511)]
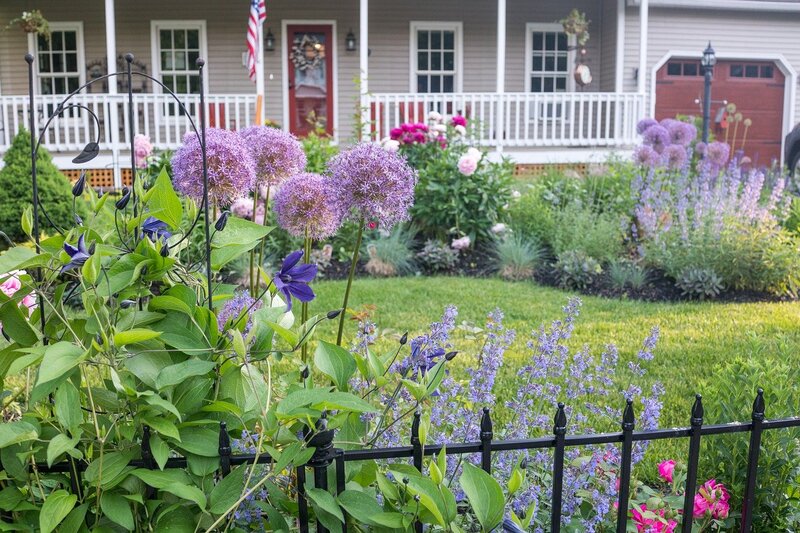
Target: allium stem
[(253, 251), (304, 306), (264, 222), (350, 277)]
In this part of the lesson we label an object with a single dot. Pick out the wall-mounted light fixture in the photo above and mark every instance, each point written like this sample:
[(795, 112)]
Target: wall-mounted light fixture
[(269, 41), (350, 41)]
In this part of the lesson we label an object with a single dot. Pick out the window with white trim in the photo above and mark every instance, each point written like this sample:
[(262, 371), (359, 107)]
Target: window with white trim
[(178, 45), (60, 60), (548, 59), (436, 57)]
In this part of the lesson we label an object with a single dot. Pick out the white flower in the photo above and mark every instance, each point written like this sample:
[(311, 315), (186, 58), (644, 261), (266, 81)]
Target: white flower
[(461, 244), (391, 145), (439, 128), (461, 130), (474, 153), (516, 194), (433, 116), (499, 228)]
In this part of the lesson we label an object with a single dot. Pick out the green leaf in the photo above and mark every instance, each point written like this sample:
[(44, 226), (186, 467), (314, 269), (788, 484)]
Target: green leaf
[(163, 427), (169, 303), (110, 466), (320, 399), (484, 495), (10, 497), (74, 520), (160, 451), (121, 275), (57, 506), (134, 335), (163, 202), (175, 482), (228, 490), (158, 401), (240, 236), (335, 362), (365, 509), (58, 445), (287, 335), (67, 402), (200, 441), (16, 325), (59, 359), (322, 499), (16, 432), (174, 374), (117, 509), (437, 499), (13, 257)]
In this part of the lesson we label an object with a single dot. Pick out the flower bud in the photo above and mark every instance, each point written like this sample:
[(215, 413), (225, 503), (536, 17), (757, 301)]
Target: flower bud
[(222, 221), (123, 201), (92, 248), (305, 373), (449, 356), (78, 220), (77, 189), (333, 314), (416, 498), (125, 304), (404, 339), (406, 481), (165, 250)]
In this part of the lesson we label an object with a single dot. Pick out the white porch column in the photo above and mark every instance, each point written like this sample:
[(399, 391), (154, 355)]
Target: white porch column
[(641, 78), (363, 65), (112, 123), (501, 71), (111, 44)]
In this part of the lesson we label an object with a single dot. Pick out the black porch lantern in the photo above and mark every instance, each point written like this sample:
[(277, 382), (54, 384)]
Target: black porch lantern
[(269, 41), (350, 41), (707, 63)]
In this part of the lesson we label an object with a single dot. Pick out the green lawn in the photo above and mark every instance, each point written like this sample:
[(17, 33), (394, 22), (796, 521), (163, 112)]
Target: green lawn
[(695, 337)]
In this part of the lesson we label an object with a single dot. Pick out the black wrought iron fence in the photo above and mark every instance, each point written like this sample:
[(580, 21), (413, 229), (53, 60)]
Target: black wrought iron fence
[(327, 455)]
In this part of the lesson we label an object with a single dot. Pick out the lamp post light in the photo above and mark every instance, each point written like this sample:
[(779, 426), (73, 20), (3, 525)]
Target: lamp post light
[(707, 62)]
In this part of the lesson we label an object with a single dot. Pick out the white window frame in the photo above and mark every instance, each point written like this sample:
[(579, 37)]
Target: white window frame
[(458, 29), (547, 27), (33, 48), (155, 46)]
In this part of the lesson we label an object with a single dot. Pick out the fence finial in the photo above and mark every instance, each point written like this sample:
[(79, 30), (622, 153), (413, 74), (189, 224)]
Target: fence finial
[(486, 423), (560, 420), (129, 57), (697, 411), (628, 418), (415, 427), (147, 452), (224, 449), (758, 405)]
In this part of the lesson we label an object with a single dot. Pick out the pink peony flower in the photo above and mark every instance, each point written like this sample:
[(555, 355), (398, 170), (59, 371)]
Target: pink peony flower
[(396, 133), (458, 120), (499, 228), (461, 244), (11, 284), (391, 145), (467, 165), (666, 469), (142, 149), (657, 525), (712, 498)]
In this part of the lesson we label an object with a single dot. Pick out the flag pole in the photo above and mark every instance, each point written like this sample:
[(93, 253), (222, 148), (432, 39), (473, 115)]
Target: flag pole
[(260, 76)]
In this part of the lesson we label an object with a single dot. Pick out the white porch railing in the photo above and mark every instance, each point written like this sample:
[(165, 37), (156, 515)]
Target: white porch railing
[(519, 119), (154, 115)]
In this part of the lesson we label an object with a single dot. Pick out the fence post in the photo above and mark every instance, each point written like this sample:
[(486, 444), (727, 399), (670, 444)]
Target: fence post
[(417, 454), (147, 457), (322, 442), (628, 423), (487, 434), (560, 431), (752, 462), (341, 477), (224, 449), (694, 456)]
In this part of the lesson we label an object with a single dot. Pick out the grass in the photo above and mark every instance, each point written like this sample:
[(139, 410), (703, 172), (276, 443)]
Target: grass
[(695, 337)]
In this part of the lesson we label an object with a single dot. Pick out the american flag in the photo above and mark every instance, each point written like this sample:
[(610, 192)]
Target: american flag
[(258, 13)]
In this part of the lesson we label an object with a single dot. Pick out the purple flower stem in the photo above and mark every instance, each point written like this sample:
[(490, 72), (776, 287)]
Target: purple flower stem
[(264, 222), (350, 282), (304, 305), (253, 251)]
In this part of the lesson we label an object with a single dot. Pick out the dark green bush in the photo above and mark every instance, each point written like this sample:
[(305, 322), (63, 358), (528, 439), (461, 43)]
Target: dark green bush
[(16, 191)]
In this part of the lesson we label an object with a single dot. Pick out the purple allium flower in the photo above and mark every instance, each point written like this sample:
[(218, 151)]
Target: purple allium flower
[(701, 148), (645, 156), (243, 207), (674, 156), (373, 184), (78, 255), (657, 136), (234, 307), (306, 206), (683, 133), (717, 153), (293, 279), (644, 124), (276, 154), (230, 167)]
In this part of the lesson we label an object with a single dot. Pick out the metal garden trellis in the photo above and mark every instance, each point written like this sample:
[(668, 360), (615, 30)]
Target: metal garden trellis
[(322, 439)]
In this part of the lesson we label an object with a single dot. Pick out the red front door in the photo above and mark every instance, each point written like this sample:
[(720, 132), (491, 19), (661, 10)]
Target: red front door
[(311, 50)]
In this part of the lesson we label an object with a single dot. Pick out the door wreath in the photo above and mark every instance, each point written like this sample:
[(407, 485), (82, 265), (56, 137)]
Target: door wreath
[(307, 53)]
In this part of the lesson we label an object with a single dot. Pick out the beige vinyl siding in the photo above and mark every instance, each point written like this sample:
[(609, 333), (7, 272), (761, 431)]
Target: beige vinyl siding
[(730, 32), (607, 34)]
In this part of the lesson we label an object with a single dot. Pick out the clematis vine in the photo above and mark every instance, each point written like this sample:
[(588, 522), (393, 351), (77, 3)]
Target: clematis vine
[(293, 278), (78, 255)]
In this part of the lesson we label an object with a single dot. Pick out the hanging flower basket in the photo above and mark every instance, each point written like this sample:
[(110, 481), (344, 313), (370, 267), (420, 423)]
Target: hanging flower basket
[(32, 22), (576, 24)]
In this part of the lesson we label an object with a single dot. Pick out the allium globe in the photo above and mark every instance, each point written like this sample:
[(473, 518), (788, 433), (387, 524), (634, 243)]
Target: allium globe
[(276, 154), (674, 156), (657, 136), (373, 184), (717, 153), (645, 156), (231, 173), (681, 133), (306, 204), (645, 123)]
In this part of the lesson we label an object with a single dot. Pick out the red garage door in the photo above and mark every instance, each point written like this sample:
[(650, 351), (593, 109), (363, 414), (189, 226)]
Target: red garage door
[(755, 87)]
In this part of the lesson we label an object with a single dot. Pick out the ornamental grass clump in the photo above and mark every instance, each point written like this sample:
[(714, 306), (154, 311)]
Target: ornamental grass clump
[(231, 173)]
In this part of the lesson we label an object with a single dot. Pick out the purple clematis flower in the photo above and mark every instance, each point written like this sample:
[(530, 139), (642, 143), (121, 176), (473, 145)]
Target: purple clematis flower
[(156, 229), (78, 255), (293, 279)]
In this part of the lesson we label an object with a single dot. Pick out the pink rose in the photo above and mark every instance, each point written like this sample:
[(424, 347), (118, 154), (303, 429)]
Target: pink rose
[(467, 165), (666, 469), (458, 120), (712, 497), (142, 149)]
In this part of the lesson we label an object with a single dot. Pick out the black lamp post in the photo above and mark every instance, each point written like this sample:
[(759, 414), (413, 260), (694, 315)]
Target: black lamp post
[(707, 62)]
